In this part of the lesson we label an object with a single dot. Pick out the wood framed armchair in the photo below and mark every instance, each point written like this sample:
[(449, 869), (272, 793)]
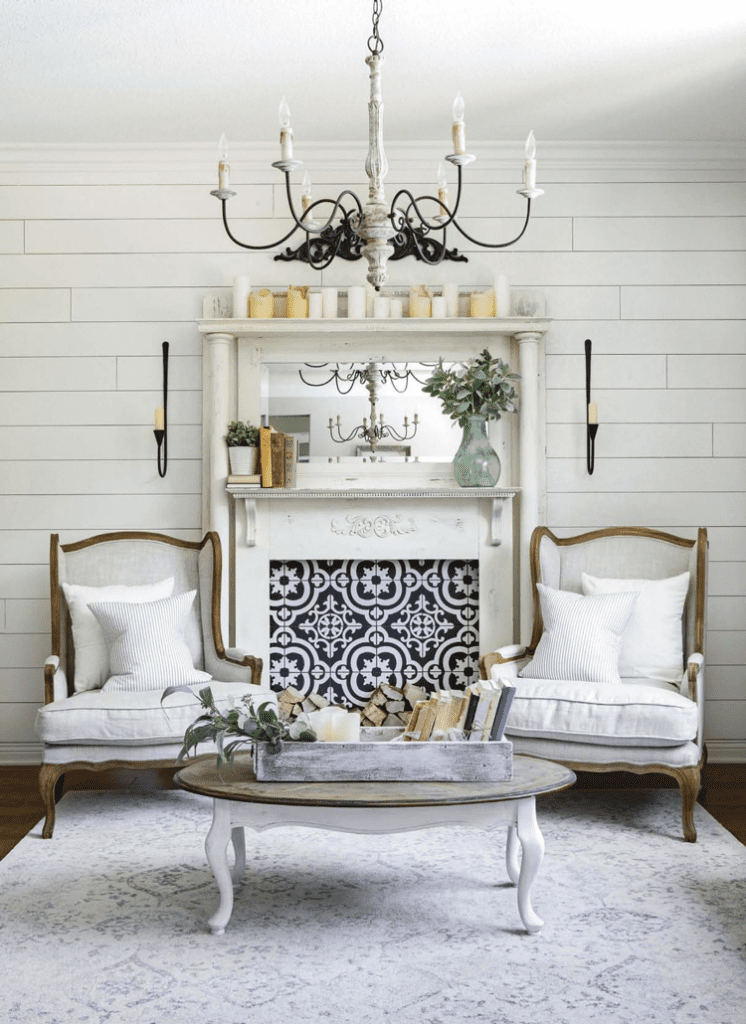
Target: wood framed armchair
[(648, 720), (81, 724)]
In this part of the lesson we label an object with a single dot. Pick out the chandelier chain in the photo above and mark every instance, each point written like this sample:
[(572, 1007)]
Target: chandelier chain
[(375, 43)]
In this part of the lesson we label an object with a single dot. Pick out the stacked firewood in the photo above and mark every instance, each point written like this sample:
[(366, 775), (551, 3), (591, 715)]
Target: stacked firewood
[(292, 703), (391, 705)]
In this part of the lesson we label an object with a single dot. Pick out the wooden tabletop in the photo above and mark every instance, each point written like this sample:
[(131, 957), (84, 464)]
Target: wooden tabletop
[(531, 777)]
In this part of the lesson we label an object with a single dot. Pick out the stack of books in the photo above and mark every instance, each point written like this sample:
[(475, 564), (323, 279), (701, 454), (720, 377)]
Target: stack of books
[(477, 713), (278, 458)]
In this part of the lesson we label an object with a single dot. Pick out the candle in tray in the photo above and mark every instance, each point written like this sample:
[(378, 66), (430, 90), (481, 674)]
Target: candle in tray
[(224, 171), (297, 303), (262, 304), (241, 291), (329, 302), (286, 132), (502, 295), (346, 727), (482, 303), (459, 127), (529, 168), (160, 418)]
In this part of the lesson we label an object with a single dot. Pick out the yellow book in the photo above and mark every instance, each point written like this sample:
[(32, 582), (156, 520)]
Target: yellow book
[(265, 455)]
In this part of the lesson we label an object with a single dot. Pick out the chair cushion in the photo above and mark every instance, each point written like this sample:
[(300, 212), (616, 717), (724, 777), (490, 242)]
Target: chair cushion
[(147, 649), (652, 642), (91, 651), (131, 719), (582, 636), (637, 713)]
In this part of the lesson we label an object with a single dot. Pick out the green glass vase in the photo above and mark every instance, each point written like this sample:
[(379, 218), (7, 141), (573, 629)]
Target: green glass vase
[(476, 463)]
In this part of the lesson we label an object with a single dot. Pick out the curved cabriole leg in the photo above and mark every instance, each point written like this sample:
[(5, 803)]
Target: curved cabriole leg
[(49, 774), (512, 860), (689, 781), (216, 848), (239, 848), (532, 845)]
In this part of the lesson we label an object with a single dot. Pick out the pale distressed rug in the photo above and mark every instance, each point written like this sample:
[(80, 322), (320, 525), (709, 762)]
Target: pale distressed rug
[(107, 922)]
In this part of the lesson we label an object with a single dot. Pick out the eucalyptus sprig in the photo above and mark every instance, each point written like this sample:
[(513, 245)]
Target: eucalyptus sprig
[(245, 722), (483, 386)]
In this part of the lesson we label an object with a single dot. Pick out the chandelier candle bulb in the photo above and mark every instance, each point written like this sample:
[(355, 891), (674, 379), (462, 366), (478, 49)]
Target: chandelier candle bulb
[(356, 303), (286, 132), (502, 295), (529, 168), (224, 171), (459, 126), (315, 301), (329, 302), (241, 289), (450, 294)]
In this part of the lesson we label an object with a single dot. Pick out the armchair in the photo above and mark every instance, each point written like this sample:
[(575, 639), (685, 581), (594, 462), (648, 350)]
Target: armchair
[(649, 723), (83, 725)]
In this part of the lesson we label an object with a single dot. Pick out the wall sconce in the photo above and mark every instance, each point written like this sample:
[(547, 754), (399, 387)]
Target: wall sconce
[(591, 414), (161, 419)]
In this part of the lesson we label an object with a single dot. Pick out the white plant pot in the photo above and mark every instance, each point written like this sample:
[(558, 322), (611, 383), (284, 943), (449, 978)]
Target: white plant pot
[(242, 460)]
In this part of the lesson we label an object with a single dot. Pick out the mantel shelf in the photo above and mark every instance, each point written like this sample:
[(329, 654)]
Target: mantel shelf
[(394, 328), (339, 493)]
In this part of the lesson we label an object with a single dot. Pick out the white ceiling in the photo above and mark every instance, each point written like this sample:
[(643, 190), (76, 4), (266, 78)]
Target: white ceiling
[(183, 71)]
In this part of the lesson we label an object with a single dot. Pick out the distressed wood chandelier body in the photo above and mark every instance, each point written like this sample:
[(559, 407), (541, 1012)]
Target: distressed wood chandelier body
[(376, 230)]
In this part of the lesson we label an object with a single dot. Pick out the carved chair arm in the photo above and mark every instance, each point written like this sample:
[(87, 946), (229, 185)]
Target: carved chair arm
[(509, 655), (234, 665), (694, 666), (55, 681)]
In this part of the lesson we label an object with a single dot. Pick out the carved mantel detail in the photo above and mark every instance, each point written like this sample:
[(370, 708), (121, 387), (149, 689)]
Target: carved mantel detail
[(380, 526)]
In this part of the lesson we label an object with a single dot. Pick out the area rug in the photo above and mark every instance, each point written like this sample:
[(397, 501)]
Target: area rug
[(107, 921)]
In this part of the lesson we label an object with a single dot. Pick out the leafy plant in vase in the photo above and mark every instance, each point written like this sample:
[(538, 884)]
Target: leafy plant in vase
[(243, 444), (474, 393)]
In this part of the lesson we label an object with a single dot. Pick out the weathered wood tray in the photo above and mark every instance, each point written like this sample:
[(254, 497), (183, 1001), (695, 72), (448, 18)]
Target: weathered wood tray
[(374, 759)]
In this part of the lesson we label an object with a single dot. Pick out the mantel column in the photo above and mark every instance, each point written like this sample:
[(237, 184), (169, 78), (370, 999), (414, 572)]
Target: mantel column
[(531, 449), (219, 416)]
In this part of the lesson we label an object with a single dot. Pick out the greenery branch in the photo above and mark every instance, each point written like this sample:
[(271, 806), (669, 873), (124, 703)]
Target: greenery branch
[(483, 386)]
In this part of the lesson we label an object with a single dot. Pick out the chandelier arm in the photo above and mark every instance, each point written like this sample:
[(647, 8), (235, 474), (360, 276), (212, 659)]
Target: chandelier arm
[(337, 203), (312, 384), (422, 219), (500, 245), (245, 245)]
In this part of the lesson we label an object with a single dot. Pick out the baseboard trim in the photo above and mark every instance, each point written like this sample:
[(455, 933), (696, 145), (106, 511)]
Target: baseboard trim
[(20, 753), (726, 751)]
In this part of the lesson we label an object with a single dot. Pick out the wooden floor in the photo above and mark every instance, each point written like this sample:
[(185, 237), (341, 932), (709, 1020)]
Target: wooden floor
[(723, 793)]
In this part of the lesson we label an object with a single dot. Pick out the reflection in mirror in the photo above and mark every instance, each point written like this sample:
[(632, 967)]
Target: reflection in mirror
[(302, 390)]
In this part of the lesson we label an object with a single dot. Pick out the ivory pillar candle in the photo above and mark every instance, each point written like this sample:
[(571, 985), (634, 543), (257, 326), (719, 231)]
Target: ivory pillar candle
[(315, 302), (482, 303), (450, 294), (241, 291), (262, 304), (438, 307), (396, 308), (419, 301), (329, 302), (381, 307), (297, 303), (502, 295), (346, 727), (356, 303)]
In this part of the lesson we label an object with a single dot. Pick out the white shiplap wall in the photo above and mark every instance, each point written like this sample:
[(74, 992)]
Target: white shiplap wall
[(105, 255)]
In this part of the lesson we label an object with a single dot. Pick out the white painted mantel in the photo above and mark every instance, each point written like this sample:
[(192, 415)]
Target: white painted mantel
[(374, 510)]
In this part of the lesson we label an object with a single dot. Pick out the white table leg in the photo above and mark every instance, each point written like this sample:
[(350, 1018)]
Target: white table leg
[(532, 845), (216, 848), (512, 862), (239, 847)]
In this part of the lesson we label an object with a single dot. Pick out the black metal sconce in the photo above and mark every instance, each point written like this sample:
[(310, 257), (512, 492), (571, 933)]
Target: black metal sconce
[(161, 419), (591, 414)]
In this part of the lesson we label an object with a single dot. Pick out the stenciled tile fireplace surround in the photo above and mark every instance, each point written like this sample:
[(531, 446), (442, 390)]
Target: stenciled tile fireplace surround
[(373, 572)]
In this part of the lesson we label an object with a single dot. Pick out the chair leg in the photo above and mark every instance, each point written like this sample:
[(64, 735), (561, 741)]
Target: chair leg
[(50, 779), (689, 782)]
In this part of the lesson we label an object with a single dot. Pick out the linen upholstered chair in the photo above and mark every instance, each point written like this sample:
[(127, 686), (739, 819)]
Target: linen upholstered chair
[(613, 679), (132, 613)]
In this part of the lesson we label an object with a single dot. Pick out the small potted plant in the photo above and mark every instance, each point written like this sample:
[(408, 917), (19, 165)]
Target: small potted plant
[(243, 445), (472, 394)]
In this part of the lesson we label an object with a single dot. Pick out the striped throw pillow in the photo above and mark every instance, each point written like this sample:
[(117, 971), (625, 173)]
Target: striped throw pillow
[(147, 649), (582, 636)]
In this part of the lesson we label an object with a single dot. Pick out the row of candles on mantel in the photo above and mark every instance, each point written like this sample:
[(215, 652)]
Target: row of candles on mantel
[(302, 303), (458, 132)]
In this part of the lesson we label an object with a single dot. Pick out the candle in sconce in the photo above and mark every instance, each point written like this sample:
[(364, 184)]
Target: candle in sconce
[(224, 171), (450, 294), (502, 295), (286, 132), (329, 302), (356, 303), (160, 418), (241, 289), (529, 168), (459, 126), (592, 413)]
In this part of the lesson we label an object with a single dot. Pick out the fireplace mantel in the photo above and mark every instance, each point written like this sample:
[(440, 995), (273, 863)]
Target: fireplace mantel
[(235, 350)]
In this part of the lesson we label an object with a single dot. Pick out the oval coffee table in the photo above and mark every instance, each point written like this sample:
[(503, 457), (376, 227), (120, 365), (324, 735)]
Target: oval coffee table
[(372, 807)]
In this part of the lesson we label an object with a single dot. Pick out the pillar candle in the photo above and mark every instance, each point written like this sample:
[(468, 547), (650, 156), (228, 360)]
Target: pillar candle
[(370, 298), (482, 303), (262, 304), (395, 308), (297, 303), (314, 305), (439, 307), (329, 302), (346, 727), (419, 301), (241, 291), (502, 295), (381, 307), (450, 294), (356, 303)]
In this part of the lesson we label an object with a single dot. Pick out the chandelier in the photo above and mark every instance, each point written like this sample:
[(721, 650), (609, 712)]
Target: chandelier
[(374, 229), (346, 376), (376, 431)]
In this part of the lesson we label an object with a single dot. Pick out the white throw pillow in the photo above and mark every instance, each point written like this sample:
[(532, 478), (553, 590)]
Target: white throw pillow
[(652, 645), (582, 636), (91, 652), (147, 649)]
